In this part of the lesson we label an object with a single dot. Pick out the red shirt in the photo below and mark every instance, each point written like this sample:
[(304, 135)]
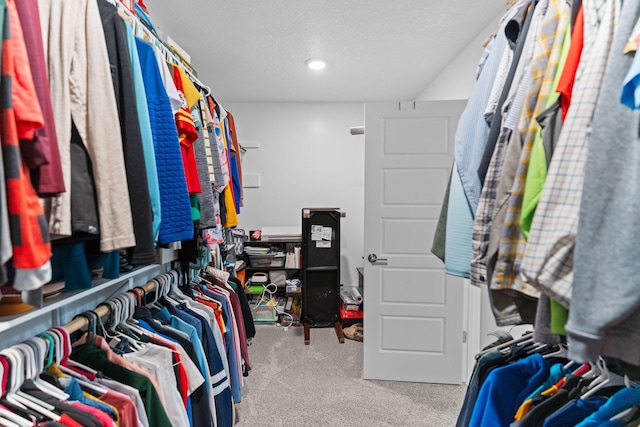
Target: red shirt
[(568, 77), (188, 134), (19, 119)]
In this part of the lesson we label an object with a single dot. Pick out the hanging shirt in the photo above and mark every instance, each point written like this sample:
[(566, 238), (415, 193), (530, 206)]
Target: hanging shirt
[(201, 413), (231, 342), (85, 98), (104, 419), (132, 394), (21, 116), (176, 224), (574, 412), (115, 32), (220, 165), (46, 177), (84, 418), (91, 355), (619, 402), (546, 57), (206, 202), (604, 290), (187, 132), (112, 357), (472, 130), (158, 362), (238, 155), (146, 134), (568, 77), (459, 229), (548, 258), (234, 170), (505, 388), (126, 408)]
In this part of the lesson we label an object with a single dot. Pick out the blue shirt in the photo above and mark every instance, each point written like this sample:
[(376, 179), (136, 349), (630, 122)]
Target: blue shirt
[(574, 412), (505, 388), (619, 402), (145, 132), (74, 391), (472, 132), (458, 248), (557, 372), (218, 383), (230, 340)]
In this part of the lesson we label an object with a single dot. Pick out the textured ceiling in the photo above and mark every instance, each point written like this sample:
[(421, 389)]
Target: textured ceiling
[(254, 50)]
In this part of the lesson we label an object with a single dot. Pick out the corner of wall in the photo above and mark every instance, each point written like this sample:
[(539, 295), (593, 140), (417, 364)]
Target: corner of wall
[(457, 79)]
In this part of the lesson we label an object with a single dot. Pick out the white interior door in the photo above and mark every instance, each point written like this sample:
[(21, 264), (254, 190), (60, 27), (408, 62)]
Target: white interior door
[(413, 311)]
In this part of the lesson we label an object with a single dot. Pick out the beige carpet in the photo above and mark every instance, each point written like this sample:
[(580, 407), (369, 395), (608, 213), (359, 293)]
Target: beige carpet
[(321, 385)]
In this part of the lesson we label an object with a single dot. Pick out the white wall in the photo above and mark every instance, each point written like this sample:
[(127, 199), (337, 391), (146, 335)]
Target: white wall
[(457, 79), (307, 158)]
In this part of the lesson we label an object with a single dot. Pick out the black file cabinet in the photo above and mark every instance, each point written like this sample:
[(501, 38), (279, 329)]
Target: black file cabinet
[(321, 269)]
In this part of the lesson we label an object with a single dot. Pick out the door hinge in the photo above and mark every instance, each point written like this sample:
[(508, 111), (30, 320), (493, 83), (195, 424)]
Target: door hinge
[(464, 336)]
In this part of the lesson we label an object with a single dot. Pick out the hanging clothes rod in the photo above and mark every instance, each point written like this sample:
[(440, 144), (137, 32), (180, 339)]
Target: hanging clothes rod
[(102, 310)]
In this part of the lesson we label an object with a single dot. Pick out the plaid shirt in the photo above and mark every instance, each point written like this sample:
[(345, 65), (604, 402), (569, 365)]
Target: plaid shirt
[(547, 50), (480, 268), (548, 258)]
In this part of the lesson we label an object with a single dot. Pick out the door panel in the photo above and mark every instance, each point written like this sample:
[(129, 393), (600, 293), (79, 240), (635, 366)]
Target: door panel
[(413, 310)]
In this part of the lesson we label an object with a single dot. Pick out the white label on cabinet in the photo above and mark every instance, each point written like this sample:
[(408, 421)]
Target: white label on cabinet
[(327, 233), (324, 244)]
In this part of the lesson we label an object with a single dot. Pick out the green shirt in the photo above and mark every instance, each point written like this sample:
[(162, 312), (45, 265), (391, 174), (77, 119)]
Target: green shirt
[(92, 356)]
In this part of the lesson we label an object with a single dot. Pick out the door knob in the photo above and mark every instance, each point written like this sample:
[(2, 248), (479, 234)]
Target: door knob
[(373, 258)]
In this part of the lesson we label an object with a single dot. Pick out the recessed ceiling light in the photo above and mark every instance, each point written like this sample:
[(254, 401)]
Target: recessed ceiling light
[(315, 64)]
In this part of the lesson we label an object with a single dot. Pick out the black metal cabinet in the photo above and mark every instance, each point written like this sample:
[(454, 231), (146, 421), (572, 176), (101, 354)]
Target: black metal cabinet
[(321, 269)]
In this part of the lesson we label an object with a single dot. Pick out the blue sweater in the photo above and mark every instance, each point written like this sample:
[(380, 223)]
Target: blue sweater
[(176, 224)]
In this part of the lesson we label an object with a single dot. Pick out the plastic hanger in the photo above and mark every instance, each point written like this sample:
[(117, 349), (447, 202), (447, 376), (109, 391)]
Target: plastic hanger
[(6, 423), (63, 349), (14, 395), (58, 345), (119, 335), (605, 379), (51, 349), (156, 295), (37, 366), (16, 418), (128, 301), (26, 369), (65, 345), (561, 352)]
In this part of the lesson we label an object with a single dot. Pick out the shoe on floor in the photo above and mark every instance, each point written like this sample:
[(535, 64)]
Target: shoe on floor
[(354, 332)]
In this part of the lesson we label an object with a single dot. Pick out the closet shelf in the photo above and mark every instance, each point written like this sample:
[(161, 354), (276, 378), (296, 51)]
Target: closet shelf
[(60, 309)]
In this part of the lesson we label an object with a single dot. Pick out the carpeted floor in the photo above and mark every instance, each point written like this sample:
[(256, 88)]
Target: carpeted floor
[(321, 385)]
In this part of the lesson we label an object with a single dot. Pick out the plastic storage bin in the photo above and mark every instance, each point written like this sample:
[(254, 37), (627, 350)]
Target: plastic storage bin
[(267, 260)]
